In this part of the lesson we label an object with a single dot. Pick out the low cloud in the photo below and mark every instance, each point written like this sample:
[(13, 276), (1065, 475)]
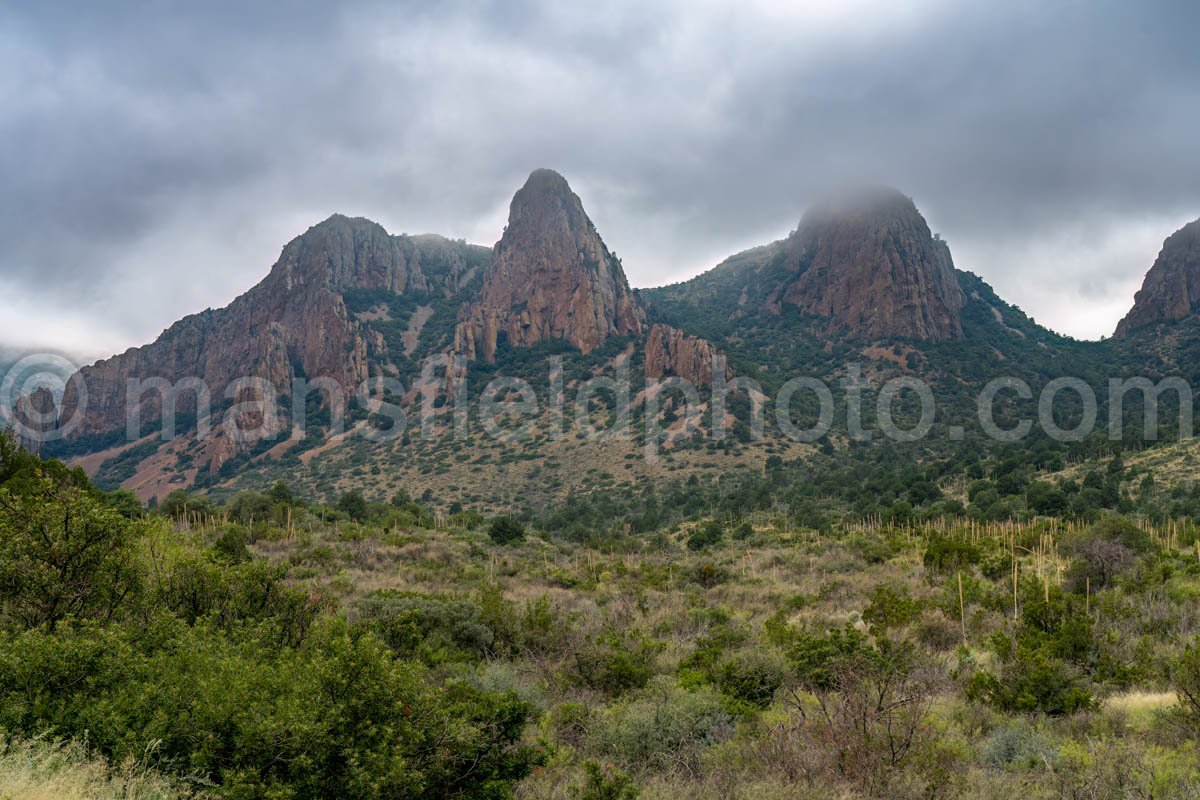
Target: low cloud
[(156, 160)]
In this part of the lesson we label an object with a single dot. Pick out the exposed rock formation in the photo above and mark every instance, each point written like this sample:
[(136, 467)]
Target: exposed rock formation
[(871, 265), (292, 324), (550, 277), (35, 415), (1172, 286), (670, 351)]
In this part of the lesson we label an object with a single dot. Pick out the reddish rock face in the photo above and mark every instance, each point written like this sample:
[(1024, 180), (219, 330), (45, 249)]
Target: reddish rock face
[(550, 277), (871, 265), (1172, 286), (670, 351), (293, 322)]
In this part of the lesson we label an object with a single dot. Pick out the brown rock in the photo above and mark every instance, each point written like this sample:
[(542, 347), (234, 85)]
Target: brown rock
[(670, 351), (550, 277), (870, 264), (294, 322), (1172, 286)]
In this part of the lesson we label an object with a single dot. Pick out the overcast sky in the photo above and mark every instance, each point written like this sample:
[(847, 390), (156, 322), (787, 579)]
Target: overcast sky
[(155, 159)]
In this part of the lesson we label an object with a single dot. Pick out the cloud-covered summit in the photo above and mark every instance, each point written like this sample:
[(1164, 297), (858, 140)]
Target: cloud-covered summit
[(156, 157)]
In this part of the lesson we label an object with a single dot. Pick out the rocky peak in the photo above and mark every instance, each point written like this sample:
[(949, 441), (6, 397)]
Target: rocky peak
[(1172, 286), (550, 277), (868, 262), (349, 253)]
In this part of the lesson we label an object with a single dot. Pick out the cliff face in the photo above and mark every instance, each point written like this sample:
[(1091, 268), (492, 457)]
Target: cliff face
[(35, 414), (1172, 286), (871, 266), (670, 351), (550, 277), (294, 323)]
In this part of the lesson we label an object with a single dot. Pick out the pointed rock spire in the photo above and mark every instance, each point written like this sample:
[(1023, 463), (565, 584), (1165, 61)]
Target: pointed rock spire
[(550, 277)]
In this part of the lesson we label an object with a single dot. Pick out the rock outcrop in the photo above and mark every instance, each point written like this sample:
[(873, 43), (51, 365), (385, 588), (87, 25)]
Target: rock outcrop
[(550, 277), (35, 415), (870, 265), (1172, 286), (293, 324), (669, 351)]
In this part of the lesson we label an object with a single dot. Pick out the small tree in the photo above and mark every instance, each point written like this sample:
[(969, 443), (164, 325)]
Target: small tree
[(63, 551), (353, 505), (706, 535), (505, 530)]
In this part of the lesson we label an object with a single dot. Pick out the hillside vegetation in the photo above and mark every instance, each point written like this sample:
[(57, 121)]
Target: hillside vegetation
[(275, 648)]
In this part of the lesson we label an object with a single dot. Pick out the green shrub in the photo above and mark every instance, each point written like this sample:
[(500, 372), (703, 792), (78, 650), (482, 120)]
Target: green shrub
[(751, 676), (337, 716), (615, 662), (433, 629), (605, 783), (666, 727), (705, 536), (63, 551), (506, 530), (944, 554), (1032, 680), (890, 607), (1185, 678)]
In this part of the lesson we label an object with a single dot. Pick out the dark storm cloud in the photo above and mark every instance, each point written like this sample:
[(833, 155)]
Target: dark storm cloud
[(157, 156)]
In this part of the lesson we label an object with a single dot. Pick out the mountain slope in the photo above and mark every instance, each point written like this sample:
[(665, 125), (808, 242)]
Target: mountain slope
[(860, 293), (295, 323)]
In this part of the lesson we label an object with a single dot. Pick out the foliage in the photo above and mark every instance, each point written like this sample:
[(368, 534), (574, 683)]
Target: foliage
[(63, 552), (605, 783), (506, 530)]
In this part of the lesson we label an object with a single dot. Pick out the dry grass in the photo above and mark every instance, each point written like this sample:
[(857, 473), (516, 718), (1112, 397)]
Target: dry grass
[(40, 770)]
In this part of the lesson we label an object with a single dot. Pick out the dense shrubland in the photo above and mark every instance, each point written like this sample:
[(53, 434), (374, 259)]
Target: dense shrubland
[(385, 647)]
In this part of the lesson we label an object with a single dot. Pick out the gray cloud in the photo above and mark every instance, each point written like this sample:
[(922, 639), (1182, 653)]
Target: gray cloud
[(156, 158)]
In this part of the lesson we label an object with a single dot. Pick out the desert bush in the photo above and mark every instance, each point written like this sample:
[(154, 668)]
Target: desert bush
[(615, 661), (1185, 678), (665, 728), (890, 607), (935, 631), (868, 715), (434, 629), (1032, 680), (750, 676), (707, 574), (1017, 744), (506, 530), (945, 554), (604, 782), (705, 536), (570, 722)]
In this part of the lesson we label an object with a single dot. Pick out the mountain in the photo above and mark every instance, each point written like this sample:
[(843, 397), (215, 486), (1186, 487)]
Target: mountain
[(863, 266), (861, 285), (550, 277), (869, 264), (295, 323), (1172, 286)]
